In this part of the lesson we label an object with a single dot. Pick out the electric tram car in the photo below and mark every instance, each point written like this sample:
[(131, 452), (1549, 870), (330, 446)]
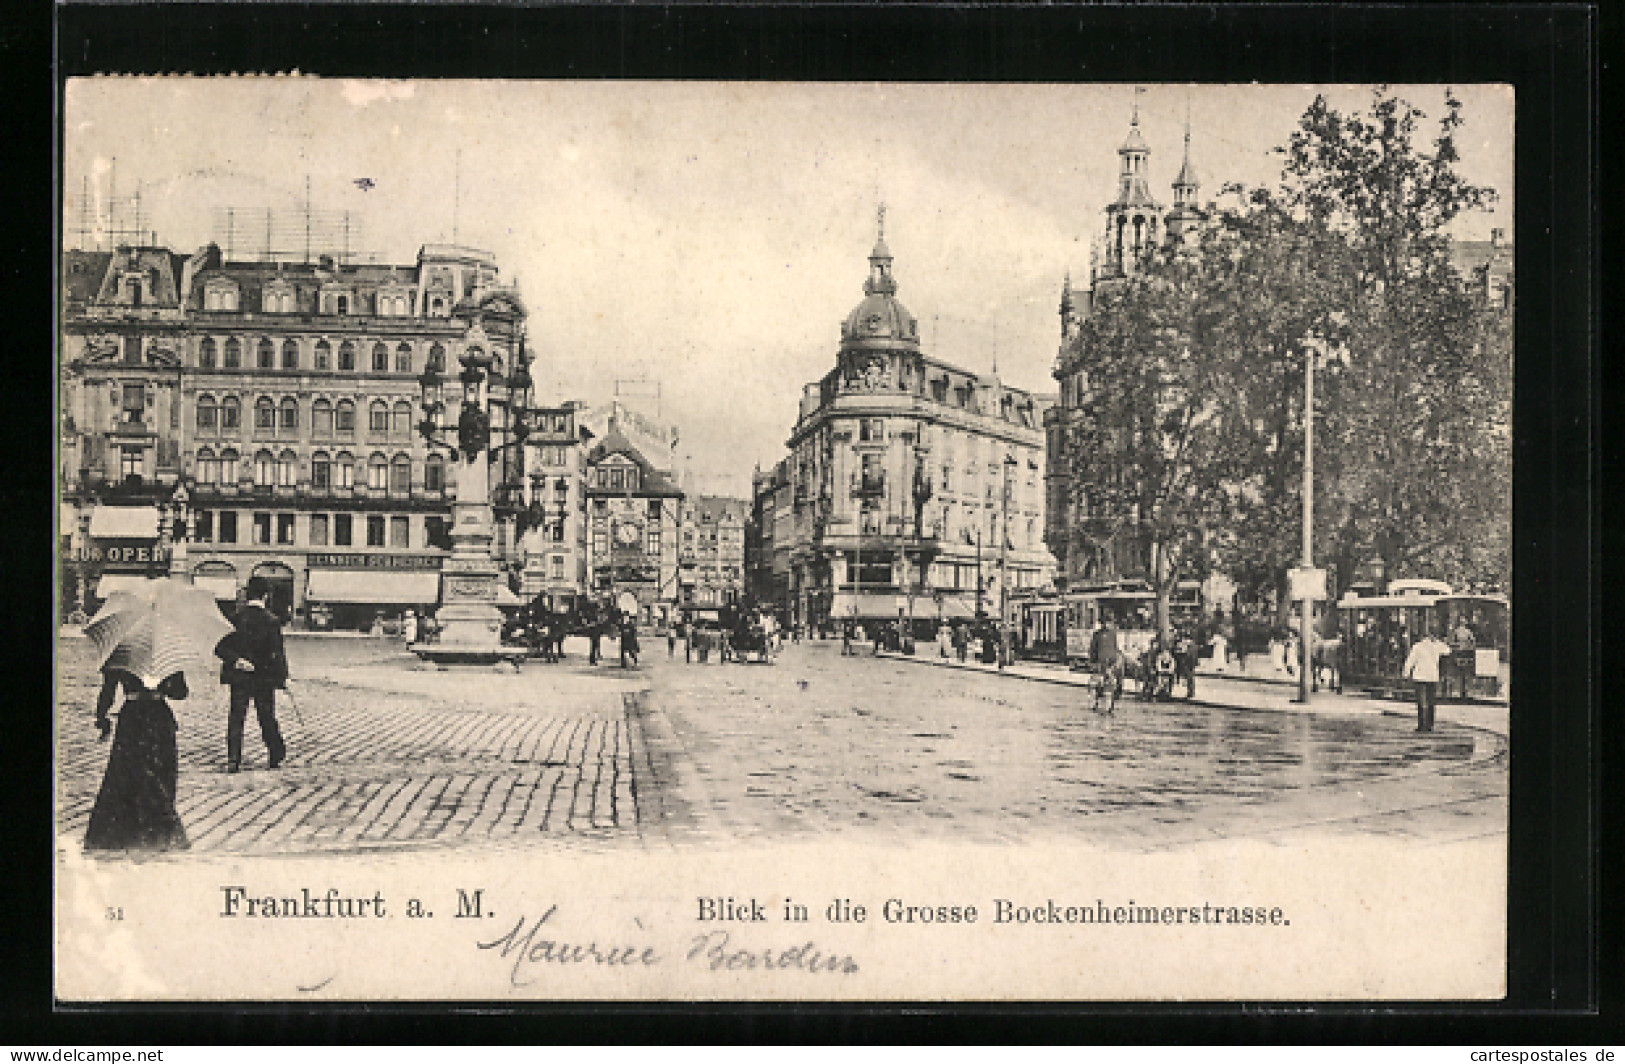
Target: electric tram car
[(1376, 633), (1059, 626)]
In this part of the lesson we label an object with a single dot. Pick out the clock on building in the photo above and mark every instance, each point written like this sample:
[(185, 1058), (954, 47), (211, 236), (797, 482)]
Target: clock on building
[(873, 323), (626, 534)]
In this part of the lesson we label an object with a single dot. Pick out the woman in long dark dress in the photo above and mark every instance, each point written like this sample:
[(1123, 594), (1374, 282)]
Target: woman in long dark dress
[(135, 809)]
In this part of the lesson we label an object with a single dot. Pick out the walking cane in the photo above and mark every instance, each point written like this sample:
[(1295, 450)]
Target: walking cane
[(286, 690)]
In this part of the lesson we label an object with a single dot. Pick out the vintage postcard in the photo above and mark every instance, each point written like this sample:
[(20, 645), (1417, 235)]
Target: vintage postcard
[(775, 541)]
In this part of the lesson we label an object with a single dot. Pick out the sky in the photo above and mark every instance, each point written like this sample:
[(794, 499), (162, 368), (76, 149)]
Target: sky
[(710, 237)]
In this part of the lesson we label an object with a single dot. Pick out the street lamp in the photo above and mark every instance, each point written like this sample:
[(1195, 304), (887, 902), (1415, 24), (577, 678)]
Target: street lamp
[(1305, 594), (1004, 567), (470, 623), (180, 532)]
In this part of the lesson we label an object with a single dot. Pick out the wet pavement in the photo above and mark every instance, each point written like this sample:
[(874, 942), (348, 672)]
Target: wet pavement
[(383, 755), (822, 743)]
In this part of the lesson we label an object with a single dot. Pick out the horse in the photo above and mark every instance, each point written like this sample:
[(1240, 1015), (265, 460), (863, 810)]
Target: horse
[(1326, 659)]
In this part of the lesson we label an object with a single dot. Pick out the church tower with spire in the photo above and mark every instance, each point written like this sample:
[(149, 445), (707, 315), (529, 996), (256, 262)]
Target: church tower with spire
[(1134, 220), (1186, 213)]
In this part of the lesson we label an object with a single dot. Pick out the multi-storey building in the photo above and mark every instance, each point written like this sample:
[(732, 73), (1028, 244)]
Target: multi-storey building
[(122, 343), (1089, 545), (633, 514), (286, 398), (711, 558), (767, 569), (554, 537), (915, 487)]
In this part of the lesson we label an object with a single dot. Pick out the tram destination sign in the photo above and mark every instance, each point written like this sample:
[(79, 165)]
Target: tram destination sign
[(373, 561)]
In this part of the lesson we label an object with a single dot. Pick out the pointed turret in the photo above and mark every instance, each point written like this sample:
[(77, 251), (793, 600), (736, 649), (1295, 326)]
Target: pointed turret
[(880, 280)]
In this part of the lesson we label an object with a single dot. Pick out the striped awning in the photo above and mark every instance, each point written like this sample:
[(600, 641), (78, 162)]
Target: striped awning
[(373, 588), (124, 522)]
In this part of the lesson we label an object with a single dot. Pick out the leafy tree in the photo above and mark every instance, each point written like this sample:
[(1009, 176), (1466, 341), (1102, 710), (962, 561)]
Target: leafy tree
[(1413, 454), (1187, 450)]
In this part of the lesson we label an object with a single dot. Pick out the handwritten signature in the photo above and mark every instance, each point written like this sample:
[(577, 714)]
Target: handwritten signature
[(528, 950), (712, 951)]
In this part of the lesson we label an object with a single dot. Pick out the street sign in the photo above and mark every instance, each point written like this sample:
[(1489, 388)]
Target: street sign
[(1307, 584)]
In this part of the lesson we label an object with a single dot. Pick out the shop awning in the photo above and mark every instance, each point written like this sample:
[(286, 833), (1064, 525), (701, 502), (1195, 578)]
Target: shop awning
[(868, 607), (952, 609), (111, 582), (222, 587), (124, 522), (373, 588)]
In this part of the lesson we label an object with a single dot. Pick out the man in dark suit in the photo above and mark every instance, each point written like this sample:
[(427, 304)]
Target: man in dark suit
[(254, 665)]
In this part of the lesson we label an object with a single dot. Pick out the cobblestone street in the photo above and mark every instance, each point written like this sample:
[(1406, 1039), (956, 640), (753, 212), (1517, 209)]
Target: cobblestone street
[(382, 755)]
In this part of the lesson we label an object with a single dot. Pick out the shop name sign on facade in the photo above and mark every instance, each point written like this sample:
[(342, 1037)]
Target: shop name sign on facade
[(119, 553), (373, 561)]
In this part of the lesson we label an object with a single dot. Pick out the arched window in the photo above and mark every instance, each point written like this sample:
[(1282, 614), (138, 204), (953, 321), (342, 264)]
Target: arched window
[(400, 475), (231, 414), (378, 418), (378, 473), (264, 469), (290, 354), (288, 414), (208, 415), (265, 355), (287, 469), (380, 358), (206, 354), (228, 466), (437, 358), (403, 358), (324, 355), (347, 356), (344, 470), (234, 354), (321, 418), (434, 473), (208, 466), (321, 471), (401, 420), (264, 414), (344, 417)]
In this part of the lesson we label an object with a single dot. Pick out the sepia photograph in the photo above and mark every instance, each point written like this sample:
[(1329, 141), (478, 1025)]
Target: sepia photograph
[(692, 540)]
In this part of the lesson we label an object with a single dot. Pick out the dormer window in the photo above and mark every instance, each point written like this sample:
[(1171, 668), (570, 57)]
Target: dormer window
[(132, 291), (220, 295)]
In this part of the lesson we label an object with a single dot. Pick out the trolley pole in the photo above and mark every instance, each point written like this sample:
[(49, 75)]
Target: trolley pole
[(1305, 623)]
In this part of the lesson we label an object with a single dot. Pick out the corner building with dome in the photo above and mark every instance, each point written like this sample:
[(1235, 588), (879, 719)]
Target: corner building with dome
[(915, 488)]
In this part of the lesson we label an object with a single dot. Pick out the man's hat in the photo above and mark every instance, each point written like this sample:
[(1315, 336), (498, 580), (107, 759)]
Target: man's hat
[(258, 588)]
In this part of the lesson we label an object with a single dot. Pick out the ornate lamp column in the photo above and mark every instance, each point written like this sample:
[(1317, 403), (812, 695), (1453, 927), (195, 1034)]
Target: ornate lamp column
[(469, 621)]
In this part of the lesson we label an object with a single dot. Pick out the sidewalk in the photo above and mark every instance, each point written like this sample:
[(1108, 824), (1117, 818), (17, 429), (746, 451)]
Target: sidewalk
[(1246, 693)]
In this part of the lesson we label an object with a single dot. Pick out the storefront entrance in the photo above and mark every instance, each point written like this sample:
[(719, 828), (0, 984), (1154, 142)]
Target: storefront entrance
[(281, 580)]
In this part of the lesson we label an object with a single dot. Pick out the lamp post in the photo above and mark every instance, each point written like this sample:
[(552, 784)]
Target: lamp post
[(469, 622), (181, 531), (1305, 620), (1004, 567)]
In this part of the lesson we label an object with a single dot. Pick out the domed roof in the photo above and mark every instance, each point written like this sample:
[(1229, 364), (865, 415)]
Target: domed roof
[(881, 316)]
